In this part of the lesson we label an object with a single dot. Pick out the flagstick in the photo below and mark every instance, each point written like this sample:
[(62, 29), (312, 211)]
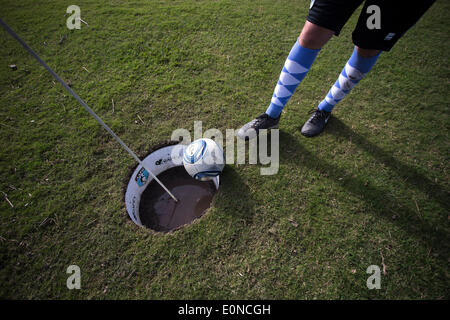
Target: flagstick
[(15, 36)]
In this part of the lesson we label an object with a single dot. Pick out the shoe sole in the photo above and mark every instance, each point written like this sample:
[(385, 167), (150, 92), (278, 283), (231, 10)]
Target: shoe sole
[(310, 135)]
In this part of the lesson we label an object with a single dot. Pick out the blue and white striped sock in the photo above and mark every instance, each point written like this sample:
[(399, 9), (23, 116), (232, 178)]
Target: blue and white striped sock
[(355, 69), (295, 69)]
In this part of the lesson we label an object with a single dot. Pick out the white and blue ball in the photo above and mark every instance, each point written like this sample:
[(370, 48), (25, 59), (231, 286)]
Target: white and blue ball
[(203, 159)]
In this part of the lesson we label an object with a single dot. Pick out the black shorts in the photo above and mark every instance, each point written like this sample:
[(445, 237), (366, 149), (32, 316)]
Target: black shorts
[(395, 18)]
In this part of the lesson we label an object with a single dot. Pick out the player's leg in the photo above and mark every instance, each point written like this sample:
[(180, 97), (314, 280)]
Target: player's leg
[(359, 64), (301, 57), (295, 68), (325, 18), (397, 17)]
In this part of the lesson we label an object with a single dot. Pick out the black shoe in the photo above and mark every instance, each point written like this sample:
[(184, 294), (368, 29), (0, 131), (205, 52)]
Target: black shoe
[(251, 129), (316, 123)]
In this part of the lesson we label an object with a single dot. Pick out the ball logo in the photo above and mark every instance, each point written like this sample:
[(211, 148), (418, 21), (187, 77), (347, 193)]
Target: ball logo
[(195, 151)]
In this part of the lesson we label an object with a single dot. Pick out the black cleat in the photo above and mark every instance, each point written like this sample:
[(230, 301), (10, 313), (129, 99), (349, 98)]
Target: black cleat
[(316, 123), (251, 129)]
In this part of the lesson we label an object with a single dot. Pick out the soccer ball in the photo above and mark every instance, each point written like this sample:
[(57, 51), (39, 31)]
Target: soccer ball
[(203, 159)]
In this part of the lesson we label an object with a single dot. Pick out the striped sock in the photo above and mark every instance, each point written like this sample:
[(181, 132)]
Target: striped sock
[(355, 69), (295, 69)]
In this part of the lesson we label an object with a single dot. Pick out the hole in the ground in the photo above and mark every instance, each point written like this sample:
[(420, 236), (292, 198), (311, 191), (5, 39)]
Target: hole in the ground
[(150, 206)]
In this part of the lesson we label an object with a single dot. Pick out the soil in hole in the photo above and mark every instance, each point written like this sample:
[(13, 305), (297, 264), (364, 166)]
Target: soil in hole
[(160, 212)]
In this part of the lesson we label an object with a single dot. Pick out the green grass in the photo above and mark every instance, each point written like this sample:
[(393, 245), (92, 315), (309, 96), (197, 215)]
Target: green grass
[(375, 184)]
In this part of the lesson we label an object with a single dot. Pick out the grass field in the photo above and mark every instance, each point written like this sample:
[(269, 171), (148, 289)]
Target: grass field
[(372, 190)]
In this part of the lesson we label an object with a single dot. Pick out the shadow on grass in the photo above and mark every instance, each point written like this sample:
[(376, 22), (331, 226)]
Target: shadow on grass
[(380, 201), (406, 173), (234, 197)]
